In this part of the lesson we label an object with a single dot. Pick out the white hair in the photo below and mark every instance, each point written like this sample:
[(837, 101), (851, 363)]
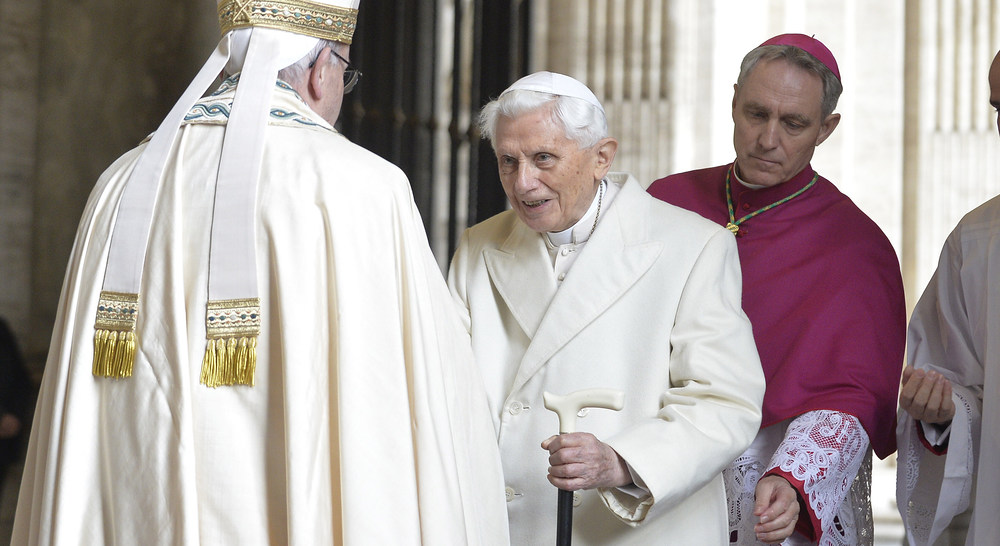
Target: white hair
[(581, 121), (294, 73)]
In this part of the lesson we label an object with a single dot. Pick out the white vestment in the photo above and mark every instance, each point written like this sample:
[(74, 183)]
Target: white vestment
[(955, 330), (651, 307), (367, 423)]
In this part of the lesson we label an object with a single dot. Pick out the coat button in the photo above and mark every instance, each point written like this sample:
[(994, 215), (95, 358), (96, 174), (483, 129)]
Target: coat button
[(562, 277), (746, 206), (515, 407), (577, 499), (565, 251)]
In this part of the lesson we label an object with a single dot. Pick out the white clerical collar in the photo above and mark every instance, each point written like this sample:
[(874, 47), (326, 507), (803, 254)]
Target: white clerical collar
[(736, 174), (580, 232)]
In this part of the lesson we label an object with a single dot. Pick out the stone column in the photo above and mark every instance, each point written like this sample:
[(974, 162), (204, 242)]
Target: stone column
[(621, 49), (952, 148)]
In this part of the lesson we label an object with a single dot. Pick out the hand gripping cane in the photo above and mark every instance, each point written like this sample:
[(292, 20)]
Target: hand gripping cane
[(566, 407)]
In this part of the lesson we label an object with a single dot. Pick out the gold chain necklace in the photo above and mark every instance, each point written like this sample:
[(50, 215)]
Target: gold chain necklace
[(600, 199), (734, 224)]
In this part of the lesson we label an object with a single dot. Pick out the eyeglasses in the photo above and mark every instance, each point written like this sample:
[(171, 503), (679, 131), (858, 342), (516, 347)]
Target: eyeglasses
[(351, 75)]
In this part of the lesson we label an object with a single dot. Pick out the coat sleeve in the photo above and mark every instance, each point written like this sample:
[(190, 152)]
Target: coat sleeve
[(711, 410)]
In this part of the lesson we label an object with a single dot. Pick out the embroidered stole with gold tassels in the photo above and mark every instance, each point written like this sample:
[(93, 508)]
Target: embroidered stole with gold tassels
[(233, 317)]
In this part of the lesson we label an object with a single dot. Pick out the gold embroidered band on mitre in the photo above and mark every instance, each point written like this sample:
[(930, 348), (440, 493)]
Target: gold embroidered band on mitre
[(114, 338), (232, 328), (299, 16)]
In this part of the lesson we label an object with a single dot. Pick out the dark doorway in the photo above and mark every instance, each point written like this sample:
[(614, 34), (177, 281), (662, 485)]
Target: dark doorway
[(398, 46)]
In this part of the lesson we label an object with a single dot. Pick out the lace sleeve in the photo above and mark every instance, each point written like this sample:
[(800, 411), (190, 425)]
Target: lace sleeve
[(820, 456), (933, 488)]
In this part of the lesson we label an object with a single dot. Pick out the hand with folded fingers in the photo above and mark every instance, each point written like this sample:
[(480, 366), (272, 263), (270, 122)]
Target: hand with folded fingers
[(926, 396), (777, 506), (580, 461)]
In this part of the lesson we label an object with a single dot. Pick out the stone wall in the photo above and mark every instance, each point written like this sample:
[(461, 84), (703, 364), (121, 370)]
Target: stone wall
[(19, 49), (87, 80)]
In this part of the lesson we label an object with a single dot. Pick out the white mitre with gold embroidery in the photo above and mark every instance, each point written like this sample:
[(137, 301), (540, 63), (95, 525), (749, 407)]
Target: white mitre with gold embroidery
[(259, 37)]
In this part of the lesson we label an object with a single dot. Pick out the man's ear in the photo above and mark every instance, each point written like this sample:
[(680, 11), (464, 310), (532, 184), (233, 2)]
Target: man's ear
[(606, 149), (827, 127), (318, 73)]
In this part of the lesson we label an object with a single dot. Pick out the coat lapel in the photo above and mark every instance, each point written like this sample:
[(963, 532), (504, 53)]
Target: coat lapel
[(521, 271), (616, 256)]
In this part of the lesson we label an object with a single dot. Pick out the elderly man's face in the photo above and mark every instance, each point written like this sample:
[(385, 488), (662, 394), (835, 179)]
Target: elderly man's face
[(548, 179), (778, 122)]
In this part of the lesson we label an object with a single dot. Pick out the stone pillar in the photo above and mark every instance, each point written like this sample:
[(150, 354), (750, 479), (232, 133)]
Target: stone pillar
[(621, 49), (952, 148)]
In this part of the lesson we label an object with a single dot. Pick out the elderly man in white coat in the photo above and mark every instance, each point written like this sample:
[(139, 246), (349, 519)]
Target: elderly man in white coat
[(590, 282)]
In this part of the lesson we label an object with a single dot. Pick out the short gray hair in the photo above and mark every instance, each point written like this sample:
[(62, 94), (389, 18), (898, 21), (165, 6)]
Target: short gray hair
[(581, 121), (832, 88), (294, 73)]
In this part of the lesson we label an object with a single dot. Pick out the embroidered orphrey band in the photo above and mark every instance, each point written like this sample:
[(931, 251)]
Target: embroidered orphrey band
[(232, 328), (299, 16), (114, 337)]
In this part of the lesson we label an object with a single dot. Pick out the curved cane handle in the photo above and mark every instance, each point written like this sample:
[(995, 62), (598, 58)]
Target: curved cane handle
[(567, 406)]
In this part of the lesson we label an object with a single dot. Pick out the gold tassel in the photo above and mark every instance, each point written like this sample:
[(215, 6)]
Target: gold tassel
[(114, 353), (231, 361), (232, 328), (114, 336)]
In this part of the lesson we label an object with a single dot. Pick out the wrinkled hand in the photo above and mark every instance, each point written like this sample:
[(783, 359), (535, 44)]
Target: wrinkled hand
[(926, 396), (580, 461), (777, 506)]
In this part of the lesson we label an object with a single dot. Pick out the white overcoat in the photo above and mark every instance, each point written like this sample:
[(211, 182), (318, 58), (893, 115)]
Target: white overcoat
[(651, 306)]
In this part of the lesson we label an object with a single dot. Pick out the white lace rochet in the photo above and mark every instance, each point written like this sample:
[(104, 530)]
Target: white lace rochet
[(828, 452)]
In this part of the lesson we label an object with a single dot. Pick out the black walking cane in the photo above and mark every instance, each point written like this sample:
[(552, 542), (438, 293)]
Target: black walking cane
[(566, 407)]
